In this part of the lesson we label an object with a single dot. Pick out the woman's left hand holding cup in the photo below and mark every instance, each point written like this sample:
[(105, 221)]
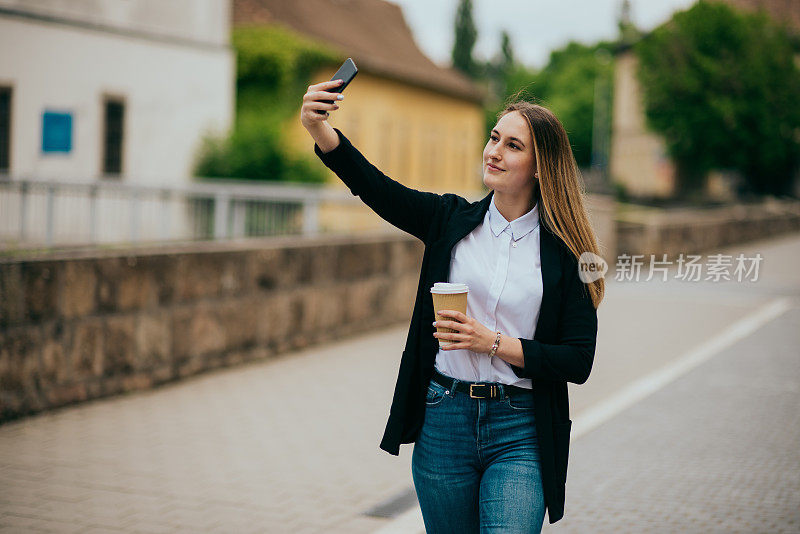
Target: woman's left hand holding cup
[(470, 335)]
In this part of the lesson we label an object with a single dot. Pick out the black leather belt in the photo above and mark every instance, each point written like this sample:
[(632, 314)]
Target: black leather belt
[(479, 390)]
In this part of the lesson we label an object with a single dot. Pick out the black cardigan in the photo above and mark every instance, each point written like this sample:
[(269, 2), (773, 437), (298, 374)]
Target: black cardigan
[(563, 346)]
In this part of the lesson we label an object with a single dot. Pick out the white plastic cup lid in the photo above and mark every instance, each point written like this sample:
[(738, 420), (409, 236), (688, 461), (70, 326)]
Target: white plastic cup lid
[(445, 288)]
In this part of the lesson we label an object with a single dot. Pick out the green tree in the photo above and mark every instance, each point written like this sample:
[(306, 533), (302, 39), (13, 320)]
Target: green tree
[(465, 36), (722, 88), (506, 51), (628, 33), (272, 70), (499, 69), (566, 85), (505, 62)]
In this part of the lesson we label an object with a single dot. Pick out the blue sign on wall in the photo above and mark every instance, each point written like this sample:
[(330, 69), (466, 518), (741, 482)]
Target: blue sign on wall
[(56, 132)]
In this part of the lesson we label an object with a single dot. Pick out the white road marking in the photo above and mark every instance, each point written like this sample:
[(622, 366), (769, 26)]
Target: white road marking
[(593, 417)]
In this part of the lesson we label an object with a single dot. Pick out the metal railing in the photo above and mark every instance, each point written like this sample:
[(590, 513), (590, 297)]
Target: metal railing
[(56, 213)]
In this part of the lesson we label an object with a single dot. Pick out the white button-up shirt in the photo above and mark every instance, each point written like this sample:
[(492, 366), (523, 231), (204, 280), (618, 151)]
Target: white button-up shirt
[(500, 262)]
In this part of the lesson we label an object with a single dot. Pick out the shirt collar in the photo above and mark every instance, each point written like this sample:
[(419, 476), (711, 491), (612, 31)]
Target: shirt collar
[(520, 227)]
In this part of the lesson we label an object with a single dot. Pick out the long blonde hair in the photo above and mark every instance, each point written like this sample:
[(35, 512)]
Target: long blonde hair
[(561, 190)]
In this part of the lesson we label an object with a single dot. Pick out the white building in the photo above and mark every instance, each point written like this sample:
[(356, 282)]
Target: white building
[(112, 89), (115, 96)]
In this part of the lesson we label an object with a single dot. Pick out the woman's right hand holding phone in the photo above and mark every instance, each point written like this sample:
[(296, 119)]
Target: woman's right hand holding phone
[(317, 123)]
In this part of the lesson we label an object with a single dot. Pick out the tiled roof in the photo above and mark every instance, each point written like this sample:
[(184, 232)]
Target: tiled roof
[(372, 32)]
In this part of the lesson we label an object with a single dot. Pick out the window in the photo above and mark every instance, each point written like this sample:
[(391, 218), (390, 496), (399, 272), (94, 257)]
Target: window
[(5, 129), (114, 121)]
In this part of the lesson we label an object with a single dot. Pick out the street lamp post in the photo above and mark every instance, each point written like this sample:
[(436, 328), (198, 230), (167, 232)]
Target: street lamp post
[(600, 118)]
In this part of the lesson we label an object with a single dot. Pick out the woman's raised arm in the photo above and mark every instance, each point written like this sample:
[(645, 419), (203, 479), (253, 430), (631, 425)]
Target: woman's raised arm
[(407, 209)]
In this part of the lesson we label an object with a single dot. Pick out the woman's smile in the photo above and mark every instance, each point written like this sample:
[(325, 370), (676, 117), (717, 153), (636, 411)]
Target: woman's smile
[(492, 167)]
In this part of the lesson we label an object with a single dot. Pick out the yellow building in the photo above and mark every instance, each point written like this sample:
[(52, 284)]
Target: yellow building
[(421, 124)]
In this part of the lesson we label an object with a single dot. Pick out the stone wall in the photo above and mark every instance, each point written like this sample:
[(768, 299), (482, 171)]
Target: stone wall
[(693, 231), (602, 212), (82, 326)]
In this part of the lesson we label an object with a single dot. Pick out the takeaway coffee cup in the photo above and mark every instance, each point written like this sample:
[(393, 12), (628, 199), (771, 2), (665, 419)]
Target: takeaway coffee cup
[(448, 297)]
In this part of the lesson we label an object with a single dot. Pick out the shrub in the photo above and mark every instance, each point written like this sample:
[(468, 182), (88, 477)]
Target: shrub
[(273, 66)]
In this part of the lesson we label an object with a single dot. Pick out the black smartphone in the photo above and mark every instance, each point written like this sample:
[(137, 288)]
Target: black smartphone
[(346, 72)]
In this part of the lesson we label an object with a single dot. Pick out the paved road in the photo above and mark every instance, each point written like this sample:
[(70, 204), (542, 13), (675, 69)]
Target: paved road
[(689, 423)]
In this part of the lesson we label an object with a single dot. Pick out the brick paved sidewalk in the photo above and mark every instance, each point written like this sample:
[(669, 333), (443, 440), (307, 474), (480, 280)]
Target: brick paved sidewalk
[(289, 445), (715, 451)]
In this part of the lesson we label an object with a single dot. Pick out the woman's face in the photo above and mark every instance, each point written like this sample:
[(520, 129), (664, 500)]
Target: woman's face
[(508, 160)]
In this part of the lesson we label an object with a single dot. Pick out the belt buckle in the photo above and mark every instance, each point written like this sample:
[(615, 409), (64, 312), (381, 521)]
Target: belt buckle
[(474, 396)]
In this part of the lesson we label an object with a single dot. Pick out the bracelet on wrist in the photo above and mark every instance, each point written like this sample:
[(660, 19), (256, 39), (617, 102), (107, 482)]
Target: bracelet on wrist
[(495, 345)]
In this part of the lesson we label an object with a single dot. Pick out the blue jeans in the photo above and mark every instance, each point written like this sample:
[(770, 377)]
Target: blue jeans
[(476, 465)]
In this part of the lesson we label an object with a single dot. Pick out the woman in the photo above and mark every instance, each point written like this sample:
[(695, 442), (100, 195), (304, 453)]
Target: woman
[(489, 413)]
